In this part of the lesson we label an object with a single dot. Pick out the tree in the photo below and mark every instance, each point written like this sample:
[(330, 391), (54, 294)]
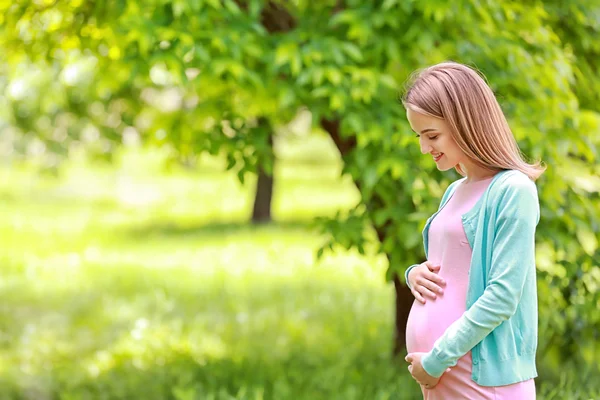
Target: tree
[(234, 68)]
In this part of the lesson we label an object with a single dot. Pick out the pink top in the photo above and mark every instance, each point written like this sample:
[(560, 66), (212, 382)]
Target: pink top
[(449, 248)]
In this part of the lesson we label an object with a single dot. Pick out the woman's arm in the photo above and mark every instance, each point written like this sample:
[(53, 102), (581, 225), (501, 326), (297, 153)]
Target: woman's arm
[(513, 255)]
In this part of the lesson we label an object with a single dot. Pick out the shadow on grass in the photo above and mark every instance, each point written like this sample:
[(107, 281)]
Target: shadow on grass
[(216, 228)]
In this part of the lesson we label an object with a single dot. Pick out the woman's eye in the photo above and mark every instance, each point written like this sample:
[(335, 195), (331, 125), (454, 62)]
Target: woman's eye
[(430, 138)]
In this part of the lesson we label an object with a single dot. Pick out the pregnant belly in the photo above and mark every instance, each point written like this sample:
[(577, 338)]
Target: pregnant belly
[(427, 322)]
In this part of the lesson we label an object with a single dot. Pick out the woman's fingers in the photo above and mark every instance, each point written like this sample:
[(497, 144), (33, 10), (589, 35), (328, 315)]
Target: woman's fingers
[(431, 272), (433, 285), (431, 266), (425, 292), (435, 278), (418, 296), (427, 282)]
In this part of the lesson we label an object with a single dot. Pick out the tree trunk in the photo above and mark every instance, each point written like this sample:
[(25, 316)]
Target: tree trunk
[(261, 211), (404, 297), (262, 199), (404, 300)]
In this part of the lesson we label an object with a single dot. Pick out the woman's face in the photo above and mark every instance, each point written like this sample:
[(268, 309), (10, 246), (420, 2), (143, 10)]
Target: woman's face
[(435, 139)]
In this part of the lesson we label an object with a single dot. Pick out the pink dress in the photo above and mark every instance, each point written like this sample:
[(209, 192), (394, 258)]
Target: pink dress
[(449, 248)]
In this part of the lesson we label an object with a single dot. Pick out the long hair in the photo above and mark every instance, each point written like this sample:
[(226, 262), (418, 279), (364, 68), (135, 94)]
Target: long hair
[(460, 96)]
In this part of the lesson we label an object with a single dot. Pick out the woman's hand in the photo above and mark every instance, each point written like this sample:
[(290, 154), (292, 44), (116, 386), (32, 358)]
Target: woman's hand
[(418, 373), (425, 281)]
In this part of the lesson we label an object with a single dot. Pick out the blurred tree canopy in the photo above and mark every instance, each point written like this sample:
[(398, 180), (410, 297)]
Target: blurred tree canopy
[(219, 76)]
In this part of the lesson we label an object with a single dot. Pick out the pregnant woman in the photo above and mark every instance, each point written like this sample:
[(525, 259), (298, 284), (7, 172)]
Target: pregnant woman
[(472, 330)]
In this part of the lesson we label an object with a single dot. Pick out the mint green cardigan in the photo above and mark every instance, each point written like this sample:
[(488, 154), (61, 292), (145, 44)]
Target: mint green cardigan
[(499, 325)]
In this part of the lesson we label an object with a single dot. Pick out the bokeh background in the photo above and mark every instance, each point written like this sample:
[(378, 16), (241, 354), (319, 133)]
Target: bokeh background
[(213, 199)]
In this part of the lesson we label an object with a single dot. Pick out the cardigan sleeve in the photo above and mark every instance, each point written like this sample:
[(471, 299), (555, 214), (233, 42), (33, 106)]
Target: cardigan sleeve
[(513, 255)]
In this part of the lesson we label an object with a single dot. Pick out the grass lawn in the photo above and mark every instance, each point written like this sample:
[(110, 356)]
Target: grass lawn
[(133, 283)]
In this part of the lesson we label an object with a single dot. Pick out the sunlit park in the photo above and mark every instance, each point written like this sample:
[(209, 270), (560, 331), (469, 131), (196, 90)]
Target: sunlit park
[(218, 199)]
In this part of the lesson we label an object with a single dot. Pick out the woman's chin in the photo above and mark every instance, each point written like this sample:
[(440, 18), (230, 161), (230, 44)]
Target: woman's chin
[(443, 167)]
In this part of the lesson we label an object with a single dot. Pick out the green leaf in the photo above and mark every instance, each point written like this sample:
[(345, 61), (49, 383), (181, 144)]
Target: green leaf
[(355, 123), (389, 81), (353, 51), (285, 53), (588, 241), (388, 4), (232, 7)]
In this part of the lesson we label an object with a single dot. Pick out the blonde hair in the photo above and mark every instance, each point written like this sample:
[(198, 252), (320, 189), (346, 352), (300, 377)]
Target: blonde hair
[(460, 96)]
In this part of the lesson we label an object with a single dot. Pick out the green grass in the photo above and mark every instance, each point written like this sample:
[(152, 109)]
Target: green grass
[(131, 283)]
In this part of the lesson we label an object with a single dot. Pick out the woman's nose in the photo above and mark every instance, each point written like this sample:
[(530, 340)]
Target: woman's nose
[(425, 148)]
